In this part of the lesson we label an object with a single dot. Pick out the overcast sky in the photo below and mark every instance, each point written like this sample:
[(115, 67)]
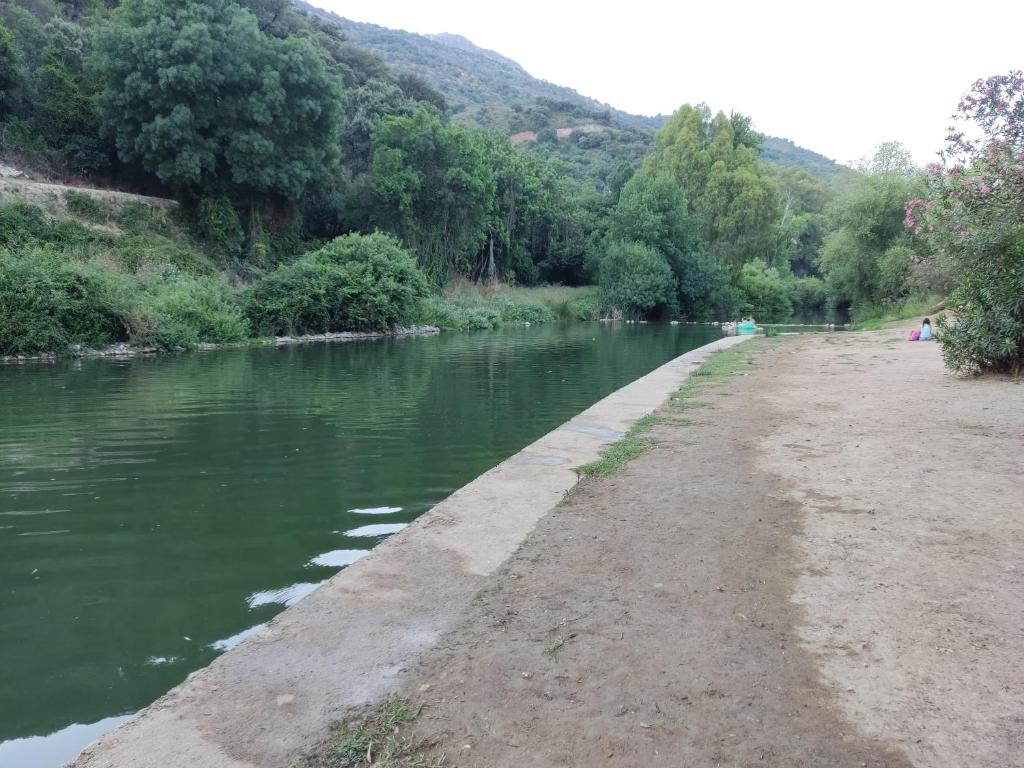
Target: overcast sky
[(834, 77)]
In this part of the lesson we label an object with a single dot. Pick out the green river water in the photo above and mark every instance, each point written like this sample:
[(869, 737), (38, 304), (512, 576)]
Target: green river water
[(153, 510)]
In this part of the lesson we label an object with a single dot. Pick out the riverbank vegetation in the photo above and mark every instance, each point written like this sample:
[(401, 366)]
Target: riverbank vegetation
[(277, 136)]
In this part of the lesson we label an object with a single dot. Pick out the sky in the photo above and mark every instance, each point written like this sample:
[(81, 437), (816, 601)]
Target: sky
[(835, 77)]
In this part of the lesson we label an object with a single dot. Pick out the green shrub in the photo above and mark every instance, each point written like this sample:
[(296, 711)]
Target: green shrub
[(355, 282), (182, 311), (518, 312), (808, 297), (87, 207), (48, 305), (22, 224), (456, 315), (637, 281), (215, 221), (988, 333), (764, 293)]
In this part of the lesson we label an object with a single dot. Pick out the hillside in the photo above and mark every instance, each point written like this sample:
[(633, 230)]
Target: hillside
[(785, 152), (487, 89), (481, 86)]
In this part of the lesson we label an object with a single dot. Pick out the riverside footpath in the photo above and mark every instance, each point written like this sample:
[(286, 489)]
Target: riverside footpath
[(820, 562)]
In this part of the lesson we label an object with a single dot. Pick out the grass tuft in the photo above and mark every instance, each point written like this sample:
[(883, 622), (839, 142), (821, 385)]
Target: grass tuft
[(372, 740)]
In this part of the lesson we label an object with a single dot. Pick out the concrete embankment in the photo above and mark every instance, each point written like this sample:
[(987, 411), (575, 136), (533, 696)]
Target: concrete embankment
[(348, 643)]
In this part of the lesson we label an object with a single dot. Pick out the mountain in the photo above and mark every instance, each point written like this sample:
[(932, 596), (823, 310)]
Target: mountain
[(785, 152), (485, 89)]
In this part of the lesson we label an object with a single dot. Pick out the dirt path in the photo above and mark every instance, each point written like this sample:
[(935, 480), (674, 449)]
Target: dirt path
[(817, 570)]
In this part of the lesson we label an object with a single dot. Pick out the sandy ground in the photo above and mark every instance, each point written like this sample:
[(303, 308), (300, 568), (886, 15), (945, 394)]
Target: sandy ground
[(824, 568)]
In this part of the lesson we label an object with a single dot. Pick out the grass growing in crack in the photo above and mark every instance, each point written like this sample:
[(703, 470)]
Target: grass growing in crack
[(623, 451), (374, 740), (716, 369)]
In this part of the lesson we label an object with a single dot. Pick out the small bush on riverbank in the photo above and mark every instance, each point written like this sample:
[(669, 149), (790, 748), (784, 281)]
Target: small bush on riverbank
[(176, 310), (468, 307), (356, 282), (47, 305), (637, 281)]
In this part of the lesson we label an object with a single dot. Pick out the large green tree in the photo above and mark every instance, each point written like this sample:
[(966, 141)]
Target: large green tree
[(197, 94), (433, 188), (714, 159)]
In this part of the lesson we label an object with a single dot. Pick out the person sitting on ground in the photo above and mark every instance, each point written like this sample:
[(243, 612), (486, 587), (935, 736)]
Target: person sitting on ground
[(926, 330)]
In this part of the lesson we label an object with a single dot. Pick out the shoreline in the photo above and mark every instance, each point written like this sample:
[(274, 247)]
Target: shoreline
[(346, 645), (125, 351)]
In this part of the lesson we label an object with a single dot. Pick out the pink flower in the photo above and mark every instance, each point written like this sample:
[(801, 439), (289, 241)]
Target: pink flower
[(963, 233)]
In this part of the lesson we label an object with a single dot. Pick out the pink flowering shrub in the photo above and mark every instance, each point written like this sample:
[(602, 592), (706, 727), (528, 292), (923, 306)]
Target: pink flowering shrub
[(973, 218)]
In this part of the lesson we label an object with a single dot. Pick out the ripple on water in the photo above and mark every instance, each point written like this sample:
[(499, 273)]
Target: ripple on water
[(338, 558), (381, 529), (376, 511), (230, 642), (286, 596)]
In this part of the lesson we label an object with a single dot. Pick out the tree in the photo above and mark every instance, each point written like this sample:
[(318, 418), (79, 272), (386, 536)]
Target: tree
[(865, 224), (10, 69), (434, 189), (973, 219), (714, 159), (890, 157), (637, 281), (652, 210), (64, 100), (197, 94)]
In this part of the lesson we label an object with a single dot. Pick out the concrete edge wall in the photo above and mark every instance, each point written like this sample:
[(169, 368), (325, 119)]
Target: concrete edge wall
[(346, 645)]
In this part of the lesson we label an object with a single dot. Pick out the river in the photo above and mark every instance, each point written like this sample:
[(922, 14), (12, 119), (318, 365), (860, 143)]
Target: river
[(154, 510)]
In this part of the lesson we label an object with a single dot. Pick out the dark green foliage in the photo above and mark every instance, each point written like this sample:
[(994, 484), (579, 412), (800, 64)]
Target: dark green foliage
[(809, 298), (10, 70), (868, 256), (86, 207), (356, 282), (197, 94), (215, 221), (434, 189), (637, 281), (764, 293), (987, 333), (652, 210)]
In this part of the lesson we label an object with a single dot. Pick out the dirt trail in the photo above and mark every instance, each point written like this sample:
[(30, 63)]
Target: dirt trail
[(816, 571)]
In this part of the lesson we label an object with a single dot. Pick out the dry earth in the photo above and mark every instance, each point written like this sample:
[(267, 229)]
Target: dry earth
[(824, 568)]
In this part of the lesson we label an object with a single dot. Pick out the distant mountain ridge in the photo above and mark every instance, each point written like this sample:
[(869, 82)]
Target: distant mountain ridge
[(486, 89)]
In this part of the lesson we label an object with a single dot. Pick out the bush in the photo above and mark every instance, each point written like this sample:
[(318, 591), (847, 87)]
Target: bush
[(181, 311), (87, 207), (518, 312), (355, 282), (47, 305), (764, 292), (456, 315), (988, 333), (809, 298), (637, 281)]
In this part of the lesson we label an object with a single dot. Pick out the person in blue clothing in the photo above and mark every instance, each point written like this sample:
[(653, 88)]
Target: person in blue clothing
[(926, 330)]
